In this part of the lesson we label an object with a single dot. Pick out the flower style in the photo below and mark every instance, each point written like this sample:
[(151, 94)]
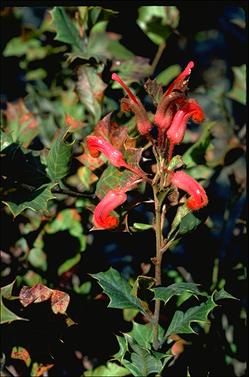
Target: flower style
[(176, 131), (133, 103), (101, 217), (97, 144), (183, 181)]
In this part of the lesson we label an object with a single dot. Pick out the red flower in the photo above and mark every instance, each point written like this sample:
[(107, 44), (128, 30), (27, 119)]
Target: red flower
[(97, 144), (177, 129), (185, 182), (101, 217), (173, 96), (133, 103)]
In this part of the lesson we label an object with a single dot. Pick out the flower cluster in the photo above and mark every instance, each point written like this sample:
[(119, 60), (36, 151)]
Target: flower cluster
[(173, 112)]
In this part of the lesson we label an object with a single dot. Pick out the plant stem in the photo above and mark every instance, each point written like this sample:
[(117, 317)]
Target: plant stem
[(77, 194), (157, 57), (158, 261)]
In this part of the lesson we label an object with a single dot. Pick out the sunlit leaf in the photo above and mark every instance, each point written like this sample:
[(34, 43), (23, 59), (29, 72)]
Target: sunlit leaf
[(5, 140), (109, 370), (68, 264), (38, 258), (36, 294), (141, 226), (59, 157), (168, 74), (59, 301), (40, 369), (21, 353), (118, 290), (157, 22), (6, 315), (176, 289), (65, 29)]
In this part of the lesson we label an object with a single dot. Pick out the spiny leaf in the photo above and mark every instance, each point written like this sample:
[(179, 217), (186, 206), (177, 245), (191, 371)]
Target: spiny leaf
[(7, 315), (222, 294), (165, 293), (65, 29), (181, 322), (35, 200), (59, 157), (118, 290)]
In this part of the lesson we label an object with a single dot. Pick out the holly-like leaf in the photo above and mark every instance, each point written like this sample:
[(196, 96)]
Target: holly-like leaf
[(142, 361), (165, 293), (59, 157), (21, 353), (6, 315), (238, 91), (66, 30), (59, 301), (222, 294), (90, 89), (181, 322), (6, 291), (109, 370), (5, 140), (118, 290), (168, 74), (36, 200), (157, 22), (188, 223), (143, 334), (111, 131), (195, 155)]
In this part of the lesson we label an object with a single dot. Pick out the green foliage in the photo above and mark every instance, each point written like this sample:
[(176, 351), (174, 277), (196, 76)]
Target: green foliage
[(118, 290), (168, 74), (165, 293), (59, 157), (238, 91), (7, 315), (108, 370)]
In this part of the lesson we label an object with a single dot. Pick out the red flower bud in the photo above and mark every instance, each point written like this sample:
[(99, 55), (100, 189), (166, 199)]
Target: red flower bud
[(183, 181), (97, 144), (101, 217), (143, 124), (177, 129)]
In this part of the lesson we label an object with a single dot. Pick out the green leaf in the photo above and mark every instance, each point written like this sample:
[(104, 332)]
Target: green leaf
[(38, 258), (5, 140), (65, 29), (176, 162), (195, 155), (143, 334), (59, 157), (18, 47), (6, 315), (118, 290), (37, 200), (188, 223), (68, 264), (157, 22), (90, 88), (109, 370), (222, 294), (168, 74), (181, 322), (142, 361), (238, 91), (118, 51), (182, 211), (69, 219), (21, 353), (165, 293), (200, 172), (141, 226), (123, 348)]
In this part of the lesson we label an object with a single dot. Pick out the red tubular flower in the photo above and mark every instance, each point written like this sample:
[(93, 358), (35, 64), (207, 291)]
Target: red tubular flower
[(173, 95), (183, 181), (101, 217), (177, 129), (97, 144), (143, 124)]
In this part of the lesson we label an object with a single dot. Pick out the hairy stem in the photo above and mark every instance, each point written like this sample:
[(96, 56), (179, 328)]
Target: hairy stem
[(158, 261)]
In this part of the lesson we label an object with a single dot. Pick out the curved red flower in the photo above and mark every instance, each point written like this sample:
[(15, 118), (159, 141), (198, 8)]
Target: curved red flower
[(177, 129), (133, 103), (198, 197), (179, 82), (97, 144), (101, 217)]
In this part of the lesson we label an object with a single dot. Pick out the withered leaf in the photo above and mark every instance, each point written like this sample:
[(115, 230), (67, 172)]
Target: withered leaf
[(38, 293), (59, 301)]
